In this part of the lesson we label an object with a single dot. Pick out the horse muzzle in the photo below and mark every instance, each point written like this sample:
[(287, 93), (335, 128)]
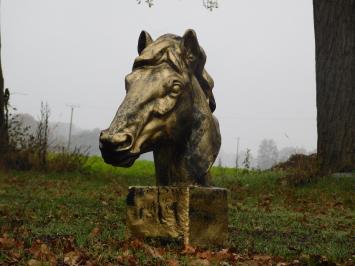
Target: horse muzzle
[(115, 148)]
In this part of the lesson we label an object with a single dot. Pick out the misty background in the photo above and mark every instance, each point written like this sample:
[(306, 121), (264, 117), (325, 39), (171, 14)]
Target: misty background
[(259, 53)]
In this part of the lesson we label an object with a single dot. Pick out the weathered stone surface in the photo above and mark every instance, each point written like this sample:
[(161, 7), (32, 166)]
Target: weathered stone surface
[(196, 215)]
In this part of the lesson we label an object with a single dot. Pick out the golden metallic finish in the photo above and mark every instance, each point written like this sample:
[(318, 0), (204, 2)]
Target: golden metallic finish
[(195, 215), (168, 110)]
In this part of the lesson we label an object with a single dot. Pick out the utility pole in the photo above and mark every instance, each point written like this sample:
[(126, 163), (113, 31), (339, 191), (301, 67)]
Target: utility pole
[(72, 106), (237, 157)]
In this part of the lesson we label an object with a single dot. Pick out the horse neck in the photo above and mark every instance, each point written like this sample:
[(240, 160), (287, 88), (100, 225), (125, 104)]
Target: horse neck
[(188, 163), (170, 167)]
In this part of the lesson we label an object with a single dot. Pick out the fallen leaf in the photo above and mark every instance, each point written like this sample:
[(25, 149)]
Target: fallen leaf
[(172, 262), (204, 255), (136, 244), (72, 258), (127, 260), (42, 252), (199, 262), (153, 252), (89, 263), (252, 263), (224, 254), (7, 243), (33, 262), (95, 232), (261, 258), (15, 255), (189, 250)]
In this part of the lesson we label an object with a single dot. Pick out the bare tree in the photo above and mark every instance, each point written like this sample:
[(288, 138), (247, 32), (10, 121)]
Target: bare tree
[(334, 25), (267, 154), (42, 135), (247, 159)]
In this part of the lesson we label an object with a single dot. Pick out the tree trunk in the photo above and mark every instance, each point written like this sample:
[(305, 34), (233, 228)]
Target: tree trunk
[(334, 25), (3, 128)]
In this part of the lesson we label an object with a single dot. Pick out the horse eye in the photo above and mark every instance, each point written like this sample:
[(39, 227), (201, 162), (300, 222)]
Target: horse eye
[(175, 89)]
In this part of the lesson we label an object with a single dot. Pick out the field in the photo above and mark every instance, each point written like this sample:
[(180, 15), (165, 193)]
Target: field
[(78, 218)]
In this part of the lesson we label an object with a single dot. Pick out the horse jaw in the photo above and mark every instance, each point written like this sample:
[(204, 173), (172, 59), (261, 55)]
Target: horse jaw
[(191, 164)]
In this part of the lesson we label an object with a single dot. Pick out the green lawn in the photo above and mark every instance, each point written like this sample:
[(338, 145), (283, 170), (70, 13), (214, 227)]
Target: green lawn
[(50, 217)]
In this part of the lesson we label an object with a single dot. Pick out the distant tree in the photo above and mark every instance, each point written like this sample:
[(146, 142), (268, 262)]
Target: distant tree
[(247, 159), (42, 133), (220, 161), (334, 27), (267, 154)]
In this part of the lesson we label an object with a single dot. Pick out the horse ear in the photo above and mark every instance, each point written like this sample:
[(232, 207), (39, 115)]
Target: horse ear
[(192, 47), (144, 40)]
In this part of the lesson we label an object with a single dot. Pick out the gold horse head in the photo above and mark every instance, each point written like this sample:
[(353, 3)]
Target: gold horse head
[(168, 110)]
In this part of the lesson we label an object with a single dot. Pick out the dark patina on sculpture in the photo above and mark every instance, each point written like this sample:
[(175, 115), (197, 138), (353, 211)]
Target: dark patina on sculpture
[(168, 110)]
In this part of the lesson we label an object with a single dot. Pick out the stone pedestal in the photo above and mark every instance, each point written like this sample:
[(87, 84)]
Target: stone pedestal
[(196, 215)]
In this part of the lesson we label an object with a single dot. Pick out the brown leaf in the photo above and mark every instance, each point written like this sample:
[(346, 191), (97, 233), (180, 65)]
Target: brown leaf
[(261, 258), (127, 260), (136, 244), (189, 250), (204, 255), (95, 232), (200, 262), (224, 254), (33, 262), (15, 255), (172, 262), (153, 252), (278, 259), (7, 243), (251, 263), (72, 258), (41, 252)]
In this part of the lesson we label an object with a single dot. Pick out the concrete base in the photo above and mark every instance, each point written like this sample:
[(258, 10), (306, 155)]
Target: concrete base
[(196, 215)]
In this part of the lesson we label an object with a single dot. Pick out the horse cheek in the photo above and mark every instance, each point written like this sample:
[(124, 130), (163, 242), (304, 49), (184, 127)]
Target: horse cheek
[(164, 105)]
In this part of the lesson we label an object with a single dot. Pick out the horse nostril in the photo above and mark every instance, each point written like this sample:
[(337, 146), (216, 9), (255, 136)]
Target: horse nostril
[(122, 141), (116, 142)]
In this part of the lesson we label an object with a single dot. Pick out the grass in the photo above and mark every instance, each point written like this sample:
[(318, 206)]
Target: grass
[(266, 217), (141, 173)]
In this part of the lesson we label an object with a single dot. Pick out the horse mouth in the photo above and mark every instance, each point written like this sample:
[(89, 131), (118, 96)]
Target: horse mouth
[(121, 159)]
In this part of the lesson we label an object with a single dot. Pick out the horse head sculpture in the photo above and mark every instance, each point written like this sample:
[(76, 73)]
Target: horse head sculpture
[(168, 110)]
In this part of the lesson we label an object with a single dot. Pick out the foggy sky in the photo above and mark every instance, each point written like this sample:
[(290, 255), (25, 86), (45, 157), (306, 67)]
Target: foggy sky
[(259, 53)]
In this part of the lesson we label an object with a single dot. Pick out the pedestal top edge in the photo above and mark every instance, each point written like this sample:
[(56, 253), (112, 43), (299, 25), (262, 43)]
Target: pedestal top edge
[(176, 187)]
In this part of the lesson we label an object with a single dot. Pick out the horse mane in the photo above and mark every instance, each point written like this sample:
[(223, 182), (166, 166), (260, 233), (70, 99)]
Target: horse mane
[(167, 48)]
